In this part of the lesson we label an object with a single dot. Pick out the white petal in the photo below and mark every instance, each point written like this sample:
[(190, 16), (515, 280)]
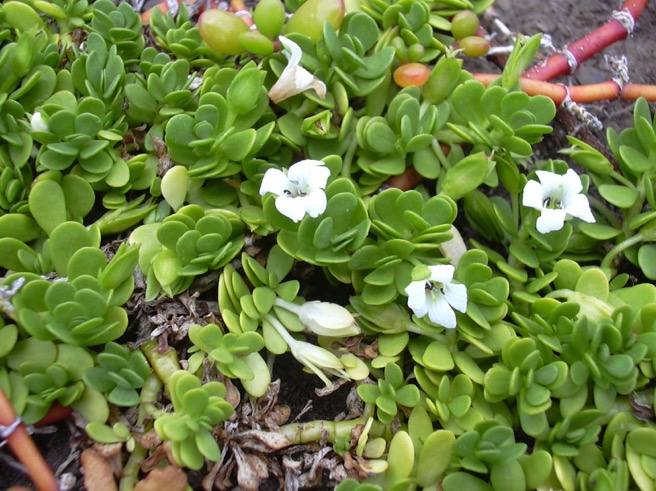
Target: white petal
[(416, 292), (579, 207), (571, 183), (442, 273), (551, 182), (550, 220), (456, 295), (292, 51), (313, 173), (314, 203), (440, 312), (290, 207), (275, 181), (533, 196)]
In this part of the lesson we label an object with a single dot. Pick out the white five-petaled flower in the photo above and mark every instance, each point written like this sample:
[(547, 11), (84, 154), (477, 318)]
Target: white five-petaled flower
[(299, 190), (294, 78), (556, 197), (437, 296), (38, 123)]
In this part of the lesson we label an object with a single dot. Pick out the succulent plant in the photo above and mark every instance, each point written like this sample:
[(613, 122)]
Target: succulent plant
[(403, 136), (99, 72), (186, 244), (235, 355), (118, 373), (161, 93), (50, 373), (408, 230), (495, 118), (221, 133), (14, 148), (243, 309), (408, 28), (68, 15), (523, 374), (81, 136), (86, 309), (179, 36), (197, 410), (120, 26), (630, 188), (389, 393), (330, 238), (489, 451)]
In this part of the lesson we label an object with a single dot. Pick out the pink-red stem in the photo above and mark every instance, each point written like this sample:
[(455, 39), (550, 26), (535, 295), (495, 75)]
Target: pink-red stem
[(22, 445), (608, 90), (589, 45)]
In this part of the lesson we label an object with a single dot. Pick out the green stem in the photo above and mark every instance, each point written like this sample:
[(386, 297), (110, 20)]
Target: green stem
[(130, 475), (316, 431), (347, 161), (622, 246), (147, 399), (620, 178), (435, 145), (164, 364)]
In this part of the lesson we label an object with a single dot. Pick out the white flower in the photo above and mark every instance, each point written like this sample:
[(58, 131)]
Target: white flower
[(557, 197), (38, 123), (299, 190), (318, 360), (437, 296), (294, 78), (315, 358), (323, 318)]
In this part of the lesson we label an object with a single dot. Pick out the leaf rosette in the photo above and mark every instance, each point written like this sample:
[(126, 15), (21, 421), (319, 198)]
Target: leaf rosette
[(490, 452), (118, 373), (329, 239), (223, 131), (84, 310), (522, 373), (403, 136), (408, 229), (50, 373), (197, 410), (234, 355), (81, 136), (186, 244), (177, 34), (120, 26), (389, 393)]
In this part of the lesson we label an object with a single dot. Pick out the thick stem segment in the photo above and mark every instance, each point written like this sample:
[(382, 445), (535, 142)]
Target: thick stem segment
[(22, 445), (583, 94), (616, 29)]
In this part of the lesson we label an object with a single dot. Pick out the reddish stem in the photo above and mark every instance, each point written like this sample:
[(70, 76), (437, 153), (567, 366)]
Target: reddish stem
[(608, 90), (239, 8), (589, 45), (22, 445), (164, 7), (55, 414)]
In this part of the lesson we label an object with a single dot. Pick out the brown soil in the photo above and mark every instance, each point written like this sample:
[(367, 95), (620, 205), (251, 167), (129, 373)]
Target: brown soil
[(565, 21)]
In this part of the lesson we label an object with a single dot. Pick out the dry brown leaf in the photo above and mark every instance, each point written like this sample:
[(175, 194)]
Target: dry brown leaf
[(97, 471), (251, 470), (167, 478), (262, 441)]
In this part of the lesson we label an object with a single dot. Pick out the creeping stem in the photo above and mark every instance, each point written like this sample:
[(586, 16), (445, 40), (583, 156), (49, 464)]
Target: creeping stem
[(23, 446)]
